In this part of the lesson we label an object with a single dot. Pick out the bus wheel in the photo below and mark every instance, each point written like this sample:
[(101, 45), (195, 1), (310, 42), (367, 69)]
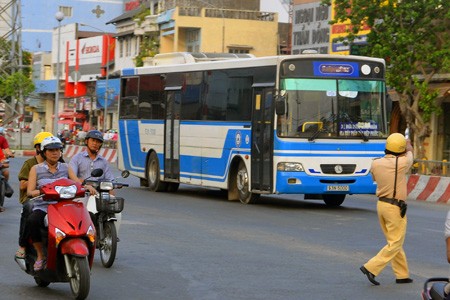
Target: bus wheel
[(243, 186), (153, 175), (333, 200)]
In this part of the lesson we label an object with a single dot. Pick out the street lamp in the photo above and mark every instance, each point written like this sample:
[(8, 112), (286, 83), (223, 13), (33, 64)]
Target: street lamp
[(59, 17), (105, 108)]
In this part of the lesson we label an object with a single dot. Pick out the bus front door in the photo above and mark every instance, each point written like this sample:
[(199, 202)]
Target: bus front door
[(262, 140), (172, 136)]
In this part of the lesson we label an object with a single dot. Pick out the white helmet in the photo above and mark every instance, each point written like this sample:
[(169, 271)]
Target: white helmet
[(51, 143), (2, 130)]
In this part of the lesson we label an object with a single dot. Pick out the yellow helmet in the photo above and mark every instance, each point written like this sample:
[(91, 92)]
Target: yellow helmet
[(396, 143), (40, 137)]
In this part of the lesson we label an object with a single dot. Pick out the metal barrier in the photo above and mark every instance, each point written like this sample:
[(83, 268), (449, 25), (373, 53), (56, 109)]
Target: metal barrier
[(431, 167)]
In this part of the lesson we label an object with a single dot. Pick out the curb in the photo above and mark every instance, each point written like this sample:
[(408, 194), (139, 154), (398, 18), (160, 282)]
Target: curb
[(71, 150), (109, 154), (428, 188), (20, 153)]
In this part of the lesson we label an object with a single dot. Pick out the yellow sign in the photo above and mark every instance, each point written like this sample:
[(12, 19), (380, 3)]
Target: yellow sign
[(258, 102), (339, 30)]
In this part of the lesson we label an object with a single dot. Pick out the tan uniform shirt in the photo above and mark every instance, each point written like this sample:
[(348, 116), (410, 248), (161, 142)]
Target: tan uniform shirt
[(383, 172)]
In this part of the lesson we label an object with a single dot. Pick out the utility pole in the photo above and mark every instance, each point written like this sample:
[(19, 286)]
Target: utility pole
[(288, 5), (11, 31)]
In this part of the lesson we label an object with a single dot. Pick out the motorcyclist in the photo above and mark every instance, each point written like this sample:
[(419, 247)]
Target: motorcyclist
[(46, 172), (84, 162), (4, 145), (23, 182)]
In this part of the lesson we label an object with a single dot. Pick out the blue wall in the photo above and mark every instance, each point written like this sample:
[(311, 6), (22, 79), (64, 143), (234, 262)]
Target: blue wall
[(38, 19)]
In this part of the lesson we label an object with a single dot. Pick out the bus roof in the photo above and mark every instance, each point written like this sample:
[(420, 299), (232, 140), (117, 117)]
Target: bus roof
[(190, 62)]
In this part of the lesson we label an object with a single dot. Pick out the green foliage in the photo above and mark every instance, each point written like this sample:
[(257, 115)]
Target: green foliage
[(414, 38), (149, 47), (149, 44), (5, 52), (16, 85)]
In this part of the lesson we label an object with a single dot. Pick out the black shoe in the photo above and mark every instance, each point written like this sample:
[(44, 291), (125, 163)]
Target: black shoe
[(369, 275), (404, 280)]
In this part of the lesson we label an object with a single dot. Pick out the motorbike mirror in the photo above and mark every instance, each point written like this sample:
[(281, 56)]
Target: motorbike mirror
[(125, 173), (96, 173)]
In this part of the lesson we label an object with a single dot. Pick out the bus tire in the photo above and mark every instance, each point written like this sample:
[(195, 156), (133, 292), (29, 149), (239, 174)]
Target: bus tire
[(243, 186), (153, 175), (333, 200)]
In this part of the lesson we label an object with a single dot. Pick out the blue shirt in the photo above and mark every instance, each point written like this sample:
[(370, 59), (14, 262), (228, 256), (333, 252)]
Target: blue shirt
[(83, 165)]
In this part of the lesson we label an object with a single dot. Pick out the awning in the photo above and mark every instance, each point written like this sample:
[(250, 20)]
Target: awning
[(71, 115), (69, 122)]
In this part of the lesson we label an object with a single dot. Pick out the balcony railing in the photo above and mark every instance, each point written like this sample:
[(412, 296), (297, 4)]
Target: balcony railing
[(431, 167)]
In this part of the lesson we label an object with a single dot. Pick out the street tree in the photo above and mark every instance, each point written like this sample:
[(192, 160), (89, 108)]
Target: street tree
[(15, 82), (414, 38), (16, 85)]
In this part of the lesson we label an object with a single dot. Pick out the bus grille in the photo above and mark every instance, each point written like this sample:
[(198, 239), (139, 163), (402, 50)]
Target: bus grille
[(332, 169)]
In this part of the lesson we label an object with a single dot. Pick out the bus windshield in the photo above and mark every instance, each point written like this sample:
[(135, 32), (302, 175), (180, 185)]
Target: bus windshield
[(336, 108)]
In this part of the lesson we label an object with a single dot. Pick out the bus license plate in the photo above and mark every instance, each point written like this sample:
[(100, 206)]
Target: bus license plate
[(338, 188)]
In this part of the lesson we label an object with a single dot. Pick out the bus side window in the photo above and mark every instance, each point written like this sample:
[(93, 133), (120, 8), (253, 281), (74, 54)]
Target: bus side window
[(129, 107), (145, 110)]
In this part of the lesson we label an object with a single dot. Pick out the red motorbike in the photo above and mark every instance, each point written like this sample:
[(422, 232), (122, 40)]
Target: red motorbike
[(69, 239)]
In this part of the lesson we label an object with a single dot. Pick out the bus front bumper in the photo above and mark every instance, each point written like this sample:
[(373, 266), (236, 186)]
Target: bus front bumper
[(301, 183)]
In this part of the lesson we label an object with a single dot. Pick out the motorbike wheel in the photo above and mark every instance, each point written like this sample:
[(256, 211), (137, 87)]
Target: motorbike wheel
[(81, 280), (2, 192), (40, 282), (108, 246)]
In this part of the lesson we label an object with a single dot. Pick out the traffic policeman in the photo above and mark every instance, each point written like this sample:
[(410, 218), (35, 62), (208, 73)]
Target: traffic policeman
[(389, 172)]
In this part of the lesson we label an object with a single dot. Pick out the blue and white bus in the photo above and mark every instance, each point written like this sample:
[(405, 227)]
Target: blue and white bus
[(299, 124)]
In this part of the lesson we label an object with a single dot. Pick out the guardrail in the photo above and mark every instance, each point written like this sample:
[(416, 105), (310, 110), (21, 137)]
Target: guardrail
[(431, 167)]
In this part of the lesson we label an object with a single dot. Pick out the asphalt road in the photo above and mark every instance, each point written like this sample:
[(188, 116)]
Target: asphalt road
[(194, 244)]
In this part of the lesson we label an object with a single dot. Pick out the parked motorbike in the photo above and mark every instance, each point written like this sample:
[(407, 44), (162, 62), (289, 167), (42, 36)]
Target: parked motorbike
[(104, 208), (433, 289), (69, 239)]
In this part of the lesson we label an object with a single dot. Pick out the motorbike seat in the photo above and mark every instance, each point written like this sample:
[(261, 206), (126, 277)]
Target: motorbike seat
[(437, 290)]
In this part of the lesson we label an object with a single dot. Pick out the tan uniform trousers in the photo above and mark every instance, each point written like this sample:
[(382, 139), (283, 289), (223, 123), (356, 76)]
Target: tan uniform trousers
[(394, 229)]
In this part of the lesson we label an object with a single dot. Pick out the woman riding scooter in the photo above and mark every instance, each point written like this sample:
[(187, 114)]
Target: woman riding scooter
[(48, 171)]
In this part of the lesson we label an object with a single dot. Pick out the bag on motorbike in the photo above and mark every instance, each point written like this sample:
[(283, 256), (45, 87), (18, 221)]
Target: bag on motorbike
[(8, 190)]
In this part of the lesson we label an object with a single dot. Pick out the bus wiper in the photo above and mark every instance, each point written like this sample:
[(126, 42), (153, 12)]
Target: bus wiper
[(361, 133), (316, 134)]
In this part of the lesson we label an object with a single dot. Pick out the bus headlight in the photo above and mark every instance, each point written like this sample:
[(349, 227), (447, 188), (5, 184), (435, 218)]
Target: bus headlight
[(290, 167)]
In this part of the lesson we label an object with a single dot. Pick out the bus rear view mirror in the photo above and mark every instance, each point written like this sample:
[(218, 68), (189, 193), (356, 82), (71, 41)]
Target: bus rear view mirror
[(280, 106)]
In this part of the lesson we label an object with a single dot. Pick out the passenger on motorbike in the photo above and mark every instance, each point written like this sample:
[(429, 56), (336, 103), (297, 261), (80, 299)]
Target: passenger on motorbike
[(46, 172), (84, 162), (6, 152), (23, 182), (4, 165)]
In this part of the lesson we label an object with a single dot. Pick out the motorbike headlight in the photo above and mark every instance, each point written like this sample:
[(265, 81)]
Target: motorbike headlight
[(290, 167), (66, 192), (59, 236), (106, 185), (91, 234)]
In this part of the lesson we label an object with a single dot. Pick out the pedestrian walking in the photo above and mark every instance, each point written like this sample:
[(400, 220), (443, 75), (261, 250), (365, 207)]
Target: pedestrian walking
[(389, 172)]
